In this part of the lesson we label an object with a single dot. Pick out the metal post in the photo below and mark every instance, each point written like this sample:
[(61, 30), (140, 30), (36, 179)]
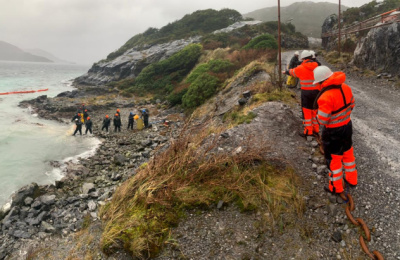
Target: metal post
[(340, 17), (279, 45)]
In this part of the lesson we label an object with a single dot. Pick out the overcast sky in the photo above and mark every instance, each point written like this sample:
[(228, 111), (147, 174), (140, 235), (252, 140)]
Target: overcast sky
[(85, 31)]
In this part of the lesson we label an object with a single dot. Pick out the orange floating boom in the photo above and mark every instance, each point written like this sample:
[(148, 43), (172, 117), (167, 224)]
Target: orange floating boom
[(23, 92)]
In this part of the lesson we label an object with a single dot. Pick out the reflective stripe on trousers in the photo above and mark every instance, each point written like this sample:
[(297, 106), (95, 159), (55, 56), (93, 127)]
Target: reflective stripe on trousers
[(349, 163), (335, 174), (310, 121)]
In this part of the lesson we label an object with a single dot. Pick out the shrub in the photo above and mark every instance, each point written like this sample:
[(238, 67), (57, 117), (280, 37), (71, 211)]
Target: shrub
[(176, 98), (265, 41), (204, 81), (202, 88)]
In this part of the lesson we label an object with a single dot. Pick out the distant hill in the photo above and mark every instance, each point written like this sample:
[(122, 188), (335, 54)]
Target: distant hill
[(47, 55), (308, 17), (10, 52)]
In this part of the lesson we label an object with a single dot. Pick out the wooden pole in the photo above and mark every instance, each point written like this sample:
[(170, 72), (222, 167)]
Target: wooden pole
[(279, 45), (340, 17)]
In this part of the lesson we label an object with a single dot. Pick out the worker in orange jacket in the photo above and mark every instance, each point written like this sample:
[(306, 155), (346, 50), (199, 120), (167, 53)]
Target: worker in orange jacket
[(335, 103), (309, 91)]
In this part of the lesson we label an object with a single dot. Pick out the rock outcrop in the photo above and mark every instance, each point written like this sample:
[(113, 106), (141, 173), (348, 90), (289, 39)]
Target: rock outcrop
[(380, 50), (131, 63), (330, 23), (294, 41)]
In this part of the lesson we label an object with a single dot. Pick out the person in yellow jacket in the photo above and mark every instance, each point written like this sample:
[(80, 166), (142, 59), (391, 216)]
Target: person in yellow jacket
[(294, 62)]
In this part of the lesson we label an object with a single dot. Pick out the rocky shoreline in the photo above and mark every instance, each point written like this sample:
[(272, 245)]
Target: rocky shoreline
[(40, 211)]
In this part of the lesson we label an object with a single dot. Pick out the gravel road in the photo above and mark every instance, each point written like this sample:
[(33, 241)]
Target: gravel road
[(376, 140)]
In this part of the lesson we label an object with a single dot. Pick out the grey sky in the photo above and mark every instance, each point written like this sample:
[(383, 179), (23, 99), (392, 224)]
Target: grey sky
[(85, 31)]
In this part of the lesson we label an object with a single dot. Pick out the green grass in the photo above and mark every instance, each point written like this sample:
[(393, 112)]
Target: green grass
[(238, 118)]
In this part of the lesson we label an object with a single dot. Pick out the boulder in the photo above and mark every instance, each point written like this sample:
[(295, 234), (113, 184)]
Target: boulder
[(21, 234), (119, 159), (46, 227), (92, 205), (31, 190), (87, 188), (36, 204), (48, 199), (28, 201), (4, 210)]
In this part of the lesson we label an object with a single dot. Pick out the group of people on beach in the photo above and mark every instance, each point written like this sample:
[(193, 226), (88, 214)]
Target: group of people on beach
[(82, 118)]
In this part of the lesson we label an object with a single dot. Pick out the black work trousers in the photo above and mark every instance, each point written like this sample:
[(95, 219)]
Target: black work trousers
[(337, 140), (130, 125), (78, 129)]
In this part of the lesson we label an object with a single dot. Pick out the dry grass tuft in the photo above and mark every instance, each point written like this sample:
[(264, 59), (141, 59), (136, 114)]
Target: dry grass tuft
[(334, 58), (188, 175)]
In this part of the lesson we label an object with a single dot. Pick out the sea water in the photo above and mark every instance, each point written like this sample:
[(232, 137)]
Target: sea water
[(29, 144)]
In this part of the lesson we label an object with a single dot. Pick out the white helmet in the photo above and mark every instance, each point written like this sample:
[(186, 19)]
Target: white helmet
[(321, 73), (312, 53), (296, 53), (305, 54)]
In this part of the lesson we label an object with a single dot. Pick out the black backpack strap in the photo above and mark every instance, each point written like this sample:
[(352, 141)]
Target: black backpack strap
[(325, 90)]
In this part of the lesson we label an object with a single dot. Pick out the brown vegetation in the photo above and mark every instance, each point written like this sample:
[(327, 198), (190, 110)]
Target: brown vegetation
[(190, 175)]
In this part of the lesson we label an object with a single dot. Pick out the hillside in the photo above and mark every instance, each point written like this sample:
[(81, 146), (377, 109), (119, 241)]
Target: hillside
[(158, 61), (47, 55), (10, 52), (300, 12)]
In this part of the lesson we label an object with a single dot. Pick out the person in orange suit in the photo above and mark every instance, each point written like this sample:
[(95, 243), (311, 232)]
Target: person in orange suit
[(335, 104), (309, 91)]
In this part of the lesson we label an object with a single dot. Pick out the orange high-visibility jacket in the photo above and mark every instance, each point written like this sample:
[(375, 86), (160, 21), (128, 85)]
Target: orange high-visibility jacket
[(335, 102), (306, 75)]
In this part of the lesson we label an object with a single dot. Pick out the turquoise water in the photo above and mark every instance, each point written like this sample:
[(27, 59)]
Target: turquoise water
[(28, 144)]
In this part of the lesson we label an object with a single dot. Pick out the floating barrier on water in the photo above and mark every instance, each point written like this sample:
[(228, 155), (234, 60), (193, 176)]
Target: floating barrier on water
[(23, 92)]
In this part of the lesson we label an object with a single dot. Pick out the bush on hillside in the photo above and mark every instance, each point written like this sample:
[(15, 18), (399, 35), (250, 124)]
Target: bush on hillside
[(204, 81), (202, 88), (175, 98), (265, 41)]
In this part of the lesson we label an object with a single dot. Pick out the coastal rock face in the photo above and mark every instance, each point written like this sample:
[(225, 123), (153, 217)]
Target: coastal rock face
[(294, 41), (380, 50), (329, 24), (131, 63)]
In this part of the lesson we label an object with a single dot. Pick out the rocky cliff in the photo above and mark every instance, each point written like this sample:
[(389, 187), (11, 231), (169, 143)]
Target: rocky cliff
[(131, 63), (329, 24), (380, 50)]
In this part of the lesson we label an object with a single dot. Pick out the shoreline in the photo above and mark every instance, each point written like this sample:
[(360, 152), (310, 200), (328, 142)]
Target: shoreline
[(62, 162), (40, 211)]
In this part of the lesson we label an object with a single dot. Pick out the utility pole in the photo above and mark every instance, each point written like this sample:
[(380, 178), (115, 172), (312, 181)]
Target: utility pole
[(279, 46), (340, 17)]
